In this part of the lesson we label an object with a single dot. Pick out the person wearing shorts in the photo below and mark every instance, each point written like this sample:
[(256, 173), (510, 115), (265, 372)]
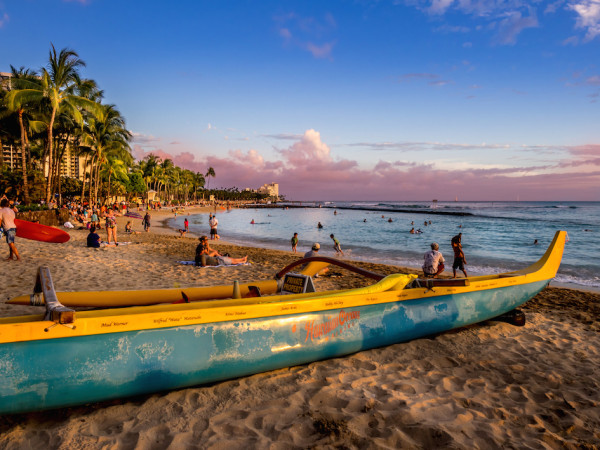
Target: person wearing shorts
[(459, 256), (7, 221), (213, 222)]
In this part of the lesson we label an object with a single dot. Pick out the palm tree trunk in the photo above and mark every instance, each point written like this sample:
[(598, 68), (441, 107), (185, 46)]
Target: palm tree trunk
[(50, 155), (23, 157), (85, 158)]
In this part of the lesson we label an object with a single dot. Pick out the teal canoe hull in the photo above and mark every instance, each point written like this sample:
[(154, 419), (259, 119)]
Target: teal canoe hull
[(54, 373)]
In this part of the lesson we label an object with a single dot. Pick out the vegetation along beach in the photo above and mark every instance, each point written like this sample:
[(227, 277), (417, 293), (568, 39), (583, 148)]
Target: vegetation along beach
[(299, 225)]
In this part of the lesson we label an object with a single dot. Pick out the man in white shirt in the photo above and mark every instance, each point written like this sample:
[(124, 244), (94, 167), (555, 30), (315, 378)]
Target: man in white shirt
[(434, 262), (213, 222), (7, 221)]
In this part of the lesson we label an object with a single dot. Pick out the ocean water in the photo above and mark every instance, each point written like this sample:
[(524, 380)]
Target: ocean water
[(497, 236)]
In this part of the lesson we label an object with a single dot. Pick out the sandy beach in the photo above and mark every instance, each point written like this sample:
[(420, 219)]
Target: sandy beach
[(492, 385)]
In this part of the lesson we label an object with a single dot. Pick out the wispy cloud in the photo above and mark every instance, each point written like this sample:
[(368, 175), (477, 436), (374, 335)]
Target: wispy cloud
[(431, 79), (3, 19), (313, 35)]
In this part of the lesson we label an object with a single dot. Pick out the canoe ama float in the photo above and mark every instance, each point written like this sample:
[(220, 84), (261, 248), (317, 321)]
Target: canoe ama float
[(39, 232), (117, 353)]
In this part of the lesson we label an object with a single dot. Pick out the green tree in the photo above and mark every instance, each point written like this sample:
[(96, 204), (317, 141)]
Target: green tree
[(55, 91), (209, 173)]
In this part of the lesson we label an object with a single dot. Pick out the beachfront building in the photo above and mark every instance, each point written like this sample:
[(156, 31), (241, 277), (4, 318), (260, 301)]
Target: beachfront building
[(272, 190), (72, 164)]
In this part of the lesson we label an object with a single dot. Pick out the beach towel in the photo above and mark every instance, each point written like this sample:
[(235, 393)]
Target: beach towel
[(191, 263)]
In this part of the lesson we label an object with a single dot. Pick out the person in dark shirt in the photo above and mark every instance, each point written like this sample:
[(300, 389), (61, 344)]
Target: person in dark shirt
[(93, 239), (459, 256)]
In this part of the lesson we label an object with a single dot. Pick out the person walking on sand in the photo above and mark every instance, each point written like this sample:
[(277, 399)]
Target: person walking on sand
[(7, 221), (459, 256), (295, 242), (336, 245), (434, 262), (146, 222)]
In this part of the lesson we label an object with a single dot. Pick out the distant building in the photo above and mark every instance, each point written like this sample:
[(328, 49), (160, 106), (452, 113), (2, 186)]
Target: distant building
[(5, 80), (272, 190)]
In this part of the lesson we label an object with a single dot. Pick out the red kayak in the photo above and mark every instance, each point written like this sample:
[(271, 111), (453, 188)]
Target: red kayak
[(39, 232)]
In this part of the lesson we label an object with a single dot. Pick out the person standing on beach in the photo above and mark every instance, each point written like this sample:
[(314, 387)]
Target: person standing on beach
[(459, 256), (213, 222), (111, 226), (434, 262), (186, 225), (146, 222), (336, 245), (7, 221), (294, 242)]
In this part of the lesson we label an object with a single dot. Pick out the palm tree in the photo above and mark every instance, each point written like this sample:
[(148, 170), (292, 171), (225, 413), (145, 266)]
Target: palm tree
[(103, 134), (55, 91), (210, 173), (113, 168), (22, 79)]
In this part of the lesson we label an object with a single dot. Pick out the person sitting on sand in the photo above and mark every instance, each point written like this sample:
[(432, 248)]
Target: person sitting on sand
[(93, 239), (129, 228), (314, 251), (459, 256), (206, 256), (434, 262)]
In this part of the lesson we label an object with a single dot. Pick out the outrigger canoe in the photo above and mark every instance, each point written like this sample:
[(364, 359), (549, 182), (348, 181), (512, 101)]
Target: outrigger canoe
[(66, 358)]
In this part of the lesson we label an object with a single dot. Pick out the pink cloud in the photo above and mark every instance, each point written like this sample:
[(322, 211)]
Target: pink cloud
[(307, 170)]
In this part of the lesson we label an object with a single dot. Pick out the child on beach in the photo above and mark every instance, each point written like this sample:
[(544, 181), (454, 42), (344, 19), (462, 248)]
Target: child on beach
[(336, 245), (294, 242), (459, 256), (93, 239)]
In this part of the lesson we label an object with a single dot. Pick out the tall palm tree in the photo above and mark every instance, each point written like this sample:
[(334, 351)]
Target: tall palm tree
[(55, 91), (22, 79), (209, 173), (103, 134)]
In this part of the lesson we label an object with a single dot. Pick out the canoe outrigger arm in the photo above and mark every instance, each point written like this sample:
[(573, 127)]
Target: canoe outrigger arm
[(55, 311), (312, 269)]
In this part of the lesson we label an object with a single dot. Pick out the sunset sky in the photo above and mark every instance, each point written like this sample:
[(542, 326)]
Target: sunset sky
[(344, 100)]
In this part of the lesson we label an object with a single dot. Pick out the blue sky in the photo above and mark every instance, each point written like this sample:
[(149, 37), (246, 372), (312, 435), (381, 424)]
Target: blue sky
[(364, 100)]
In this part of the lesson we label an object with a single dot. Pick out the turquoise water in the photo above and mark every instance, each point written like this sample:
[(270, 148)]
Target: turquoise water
[(497, 236)]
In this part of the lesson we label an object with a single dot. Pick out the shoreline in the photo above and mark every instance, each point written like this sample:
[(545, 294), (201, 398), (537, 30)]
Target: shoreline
[(165, 228), (486, 385)]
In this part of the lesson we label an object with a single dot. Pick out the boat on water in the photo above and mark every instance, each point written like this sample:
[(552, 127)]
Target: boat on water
[(66, 357)]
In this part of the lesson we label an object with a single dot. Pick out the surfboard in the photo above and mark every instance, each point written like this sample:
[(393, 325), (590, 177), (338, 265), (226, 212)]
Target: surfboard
[(133, 215), (39, 232)]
